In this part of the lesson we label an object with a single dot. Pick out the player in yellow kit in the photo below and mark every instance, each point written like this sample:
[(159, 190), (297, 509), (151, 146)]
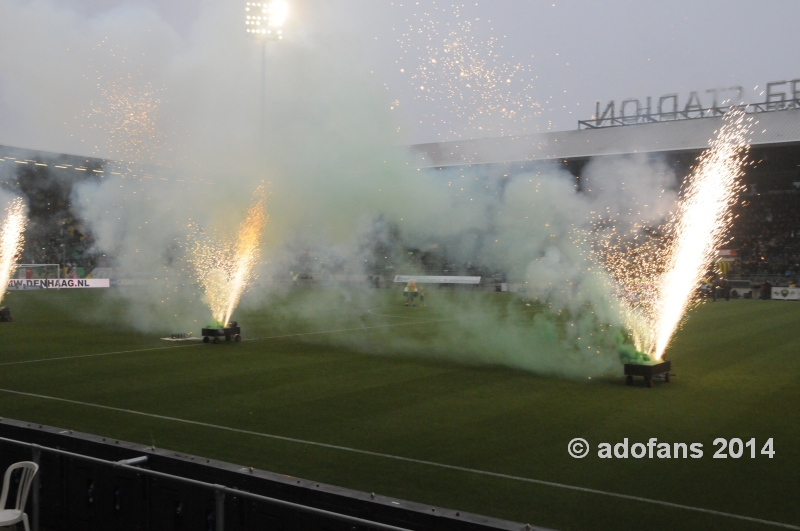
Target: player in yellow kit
[(410, 293)]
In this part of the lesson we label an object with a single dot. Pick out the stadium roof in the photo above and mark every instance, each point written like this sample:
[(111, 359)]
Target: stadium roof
[(773, 128)]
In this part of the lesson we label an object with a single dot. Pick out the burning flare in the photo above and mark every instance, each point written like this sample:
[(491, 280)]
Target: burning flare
[(225, 269), (11, 240)]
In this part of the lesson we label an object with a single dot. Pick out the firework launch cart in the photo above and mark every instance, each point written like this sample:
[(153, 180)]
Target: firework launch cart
[(231, 332), (5, 314), (649, 370)]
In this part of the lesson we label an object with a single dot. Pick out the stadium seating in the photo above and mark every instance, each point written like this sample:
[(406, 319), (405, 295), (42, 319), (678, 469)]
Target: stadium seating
[(766, 232)]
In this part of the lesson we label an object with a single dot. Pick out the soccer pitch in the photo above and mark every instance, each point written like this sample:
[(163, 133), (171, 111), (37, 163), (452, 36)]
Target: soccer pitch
[(294, 398)]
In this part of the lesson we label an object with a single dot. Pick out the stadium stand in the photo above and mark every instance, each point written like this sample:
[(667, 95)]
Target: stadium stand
[(55, 234), (764, 234)]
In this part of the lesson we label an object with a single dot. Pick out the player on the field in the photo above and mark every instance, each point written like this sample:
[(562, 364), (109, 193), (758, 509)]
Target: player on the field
[(410, 292)]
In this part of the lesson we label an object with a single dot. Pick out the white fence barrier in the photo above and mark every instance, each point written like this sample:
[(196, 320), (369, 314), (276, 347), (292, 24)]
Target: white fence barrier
[(786, 294), (422, 279)]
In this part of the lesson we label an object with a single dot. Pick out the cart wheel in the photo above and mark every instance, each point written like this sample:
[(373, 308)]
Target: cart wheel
[(227, 337), (205, 339), (666, 377), (629, 380), (217, 341), (238, 338)]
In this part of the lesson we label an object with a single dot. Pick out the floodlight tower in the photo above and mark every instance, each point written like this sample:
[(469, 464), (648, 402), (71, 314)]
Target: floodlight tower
[(264, 22)]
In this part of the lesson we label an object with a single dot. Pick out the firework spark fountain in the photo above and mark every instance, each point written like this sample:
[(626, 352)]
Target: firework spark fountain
[(11, 240), (127, 108), (657, 271), (635, 260), (465, 76), (699, 226), (225, 270), (131, 116)]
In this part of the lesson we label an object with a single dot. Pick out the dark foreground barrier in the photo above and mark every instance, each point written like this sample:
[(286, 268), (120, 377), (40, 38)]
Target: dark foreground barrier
[(84, 483)]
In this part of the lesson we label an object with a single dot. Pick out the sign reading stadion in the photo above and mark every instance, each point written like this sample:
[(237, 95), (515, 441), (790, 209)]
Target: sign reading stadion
[(58, 283), (780, 95)]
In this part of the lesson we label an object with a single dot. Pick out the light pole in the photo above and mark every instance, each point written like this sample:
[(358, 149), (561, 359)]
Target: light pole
[(264, 22)]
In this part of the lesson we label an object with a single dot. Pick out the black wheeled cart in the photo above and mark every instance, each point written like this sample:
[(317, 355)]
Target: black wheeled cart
[(649, 370), (231, 332)]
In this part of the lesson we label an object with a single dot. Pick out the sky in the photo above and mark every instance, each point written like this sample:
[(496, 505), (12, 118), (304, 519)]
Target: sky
[(521, 66), (583, 51)]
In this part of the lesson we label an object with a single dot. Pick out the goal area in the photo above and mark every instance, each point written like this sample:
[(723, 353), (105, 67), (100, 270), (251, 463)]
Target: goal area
[(37, 271)]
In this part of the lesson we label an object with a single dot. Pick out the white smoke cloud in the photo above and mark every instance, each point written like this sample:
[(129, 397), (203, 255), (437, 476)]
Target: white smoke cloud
[(323, 157)]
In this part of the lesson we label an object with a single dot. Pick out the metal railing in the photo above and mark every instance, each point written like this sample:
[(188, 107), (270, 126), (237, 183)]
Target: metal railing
[(220, 491)]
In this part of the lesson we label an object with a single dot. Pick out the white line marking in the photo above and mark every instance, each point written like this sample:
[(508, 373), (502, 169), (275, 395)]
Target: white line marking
[(410, 460), (94, 355), (373, 312), (359, 328), (198, 344)]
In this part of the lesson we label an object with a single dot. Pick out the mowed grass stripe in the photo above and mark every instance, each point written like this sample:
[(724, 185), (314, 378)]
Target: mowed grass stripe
[(407, 391), (61, 358), (283, 336), (409, 460)]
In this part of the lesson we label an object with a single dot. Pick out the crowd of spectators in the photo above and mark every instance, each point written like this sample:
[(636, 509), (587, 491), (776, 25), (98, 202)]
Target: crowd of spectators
[(54, 233), (766, 235), (69, 246)]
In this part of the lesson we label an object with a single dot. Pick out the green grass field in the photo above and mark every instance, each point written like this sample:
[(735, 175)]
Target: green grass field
[(736, 364)]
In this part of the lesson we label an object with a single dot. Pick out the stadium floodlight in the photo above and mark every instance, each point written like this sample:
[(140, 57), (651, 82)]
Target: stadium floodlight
[(265, 20)]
